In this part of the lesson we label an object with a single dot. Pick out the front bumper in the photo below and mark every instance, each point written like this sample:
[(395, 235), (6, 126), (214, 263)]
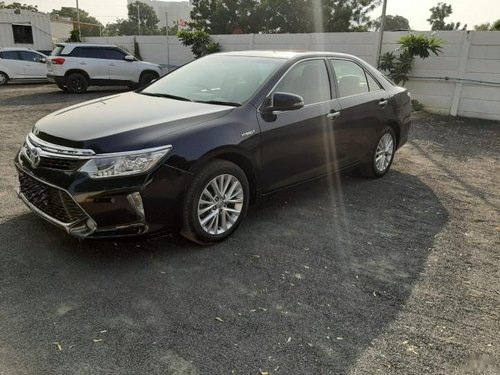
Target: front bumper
[(115, 207)]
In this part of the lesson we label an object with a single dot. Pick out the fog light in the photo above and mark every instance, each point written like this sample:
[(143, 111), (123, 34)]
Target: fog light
[(135, 200), (91, 225)]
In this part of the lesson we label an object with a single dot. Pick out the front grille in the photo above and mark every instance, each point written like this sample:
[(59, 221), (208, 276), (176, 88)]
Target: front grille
[(61, 164), (54, 202)]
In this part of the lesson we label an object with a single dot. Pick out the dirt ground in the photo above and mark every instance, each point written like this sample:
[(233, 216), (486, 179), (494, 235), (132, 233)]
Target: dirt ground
[(398, 275)]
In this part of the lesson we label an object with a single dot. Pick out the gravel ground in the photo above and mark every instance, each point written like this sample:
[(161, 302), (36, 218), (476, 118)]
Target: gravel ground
[(345, 275)]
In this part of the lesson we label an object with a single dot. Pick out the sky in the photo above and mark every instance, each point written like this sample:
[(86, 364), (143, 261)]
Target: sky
[(470, 12)]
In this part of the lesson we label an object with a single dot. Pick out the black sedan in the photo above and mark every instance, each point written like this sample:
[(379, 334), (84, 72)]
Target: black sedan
[(190, 151)]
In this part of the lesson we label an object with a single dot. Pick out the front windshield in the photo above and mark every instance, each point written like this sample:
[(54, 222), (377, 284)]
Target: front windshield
[(216, 79)]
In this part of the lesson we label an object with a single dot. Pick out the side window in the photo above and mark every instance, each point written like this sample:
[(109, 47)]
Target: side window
[(113, 54), (30, 56), (309, 79), (91, 53), (10, 55), (372, 84), (351, 78)]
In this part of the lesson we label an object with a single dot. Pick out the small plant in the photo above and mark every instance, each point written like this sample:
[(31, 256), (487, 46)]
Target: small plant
[(200, 42), (416, 105), (399, 65), (74, 36)]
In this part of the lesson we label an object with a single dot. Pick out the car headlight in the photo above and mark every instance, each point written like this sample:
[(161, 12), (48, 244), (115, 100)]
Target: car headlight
[(124, 163)]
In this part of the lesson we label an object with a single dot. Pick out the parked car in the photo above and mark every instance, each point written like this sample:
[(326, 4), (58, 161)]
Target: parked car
[(21, 64), (76, 66), (190, 151)]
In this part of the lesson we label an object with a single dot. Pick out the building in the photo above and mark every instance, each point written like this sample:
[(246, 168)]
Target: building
[(173, 11), (22, 28)]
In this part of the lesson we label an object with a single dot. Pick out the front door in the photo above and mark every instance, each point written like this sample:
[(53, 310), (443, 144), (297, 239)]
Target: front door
[(34, 64), (297, 145), (119, 68)]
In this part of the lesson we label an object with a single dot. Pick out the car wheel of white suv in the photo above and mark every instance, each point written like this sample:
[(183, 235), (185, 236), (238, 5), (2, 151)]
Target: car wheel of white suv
[(77, 83)]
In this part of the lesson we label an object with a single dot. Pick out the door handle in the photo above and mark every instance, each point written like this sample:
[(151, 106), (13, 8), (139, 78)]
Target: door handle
[(112, 65), (82, 63), (383, 102), (333, 115)]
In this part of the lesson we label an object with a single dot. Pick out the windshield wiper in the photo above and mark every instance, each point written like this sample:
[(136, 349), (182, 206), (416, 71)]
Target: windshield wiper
[(219, 102), (159, 95)]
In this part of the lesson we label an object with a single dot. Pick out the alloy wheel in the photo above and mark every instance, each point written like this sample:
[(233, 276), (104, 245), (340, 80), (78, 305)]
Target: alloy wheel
[(384, 152), (220, 204)]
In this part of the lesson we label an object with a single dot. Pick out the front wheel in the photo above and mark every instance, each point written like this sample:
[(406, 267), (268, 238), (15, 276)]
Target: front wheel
[(382, 155), (216, 202), (146, 78)]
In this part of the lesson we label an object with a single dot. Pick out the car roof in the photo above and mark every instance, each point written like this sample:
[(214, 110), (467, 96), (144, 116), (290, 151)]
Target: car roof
[(18, 49), (284, 54), (73, 45)]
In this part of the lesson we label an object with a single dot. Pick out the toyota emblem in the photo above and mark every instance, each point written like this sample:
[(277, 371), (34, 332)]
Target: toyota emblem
[(34, 156)]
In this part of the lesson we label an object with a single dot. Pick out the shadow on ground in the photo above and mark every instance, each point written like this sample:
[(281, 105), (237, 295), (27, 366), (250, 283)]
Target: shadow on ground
[(59, 96), (311, 278)]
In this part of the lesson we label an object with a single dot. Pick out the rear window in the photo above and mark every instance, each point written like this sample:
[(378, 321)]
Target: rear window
[(57, 51)]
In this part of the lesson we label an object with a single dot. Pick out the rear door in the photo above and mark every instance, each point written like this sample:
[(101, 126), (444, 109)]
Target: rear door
[(364, 108), (34, 64), (92, 61), (119, 68), (297, 145)]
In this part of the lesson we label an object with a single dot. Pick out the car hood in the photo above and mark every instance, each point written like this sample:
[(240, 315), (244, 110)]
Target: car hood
[(123, 122)]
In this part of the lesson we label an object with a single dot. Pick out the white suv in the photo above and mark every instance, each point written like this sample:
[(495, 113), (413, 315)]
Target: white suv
[(21, 64), (75, 66)]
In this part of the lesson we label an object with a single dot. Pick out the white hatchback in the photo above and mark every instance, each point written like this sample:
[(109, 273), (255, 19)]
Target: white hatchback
[(22, 64)]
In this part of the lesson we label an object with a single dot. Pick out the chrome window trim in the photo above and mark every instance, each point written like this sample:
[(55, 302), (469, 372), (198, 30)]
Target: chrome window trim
[(323, 58), (330, 59)]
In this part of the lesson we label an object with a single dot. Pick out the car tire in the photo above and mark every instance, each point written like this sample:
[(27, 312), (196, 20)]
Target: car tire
[(77, 83), (62, 87), (216, 202), (4, 78), (382, 154), (146, 78)]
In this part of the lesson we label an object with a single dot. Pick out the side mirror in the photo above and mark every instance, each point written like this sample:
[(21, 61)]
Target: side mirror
[(283, 101), (280, 101), (129, 58), (40, 59)]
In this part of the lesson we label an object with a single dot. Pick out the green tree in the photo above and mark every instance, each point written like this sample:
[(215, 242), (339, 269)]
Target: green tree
[(144, 15), (438, 14), (488, 26), (200, 42), (31, 8), (90, 26), (393, 23), (281, 16)]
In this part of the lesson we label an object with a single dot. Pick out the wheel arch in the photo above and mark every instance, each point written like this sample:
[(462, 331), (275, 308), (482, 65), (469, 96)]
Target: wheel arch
[(149, 71), (397, 130), (82, 72), (235, 156)]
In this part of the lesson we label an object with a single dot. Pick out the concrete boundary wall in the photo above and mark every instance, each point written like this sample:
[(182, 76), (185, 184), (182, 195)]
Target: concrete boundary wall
[(463, 80)]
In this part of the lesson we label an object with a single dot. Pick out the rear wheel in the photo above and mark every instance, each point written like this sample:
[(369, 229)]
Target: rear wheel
[(77, 83), (382, 155), (62, 87), (216, 202), (4, 78)]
